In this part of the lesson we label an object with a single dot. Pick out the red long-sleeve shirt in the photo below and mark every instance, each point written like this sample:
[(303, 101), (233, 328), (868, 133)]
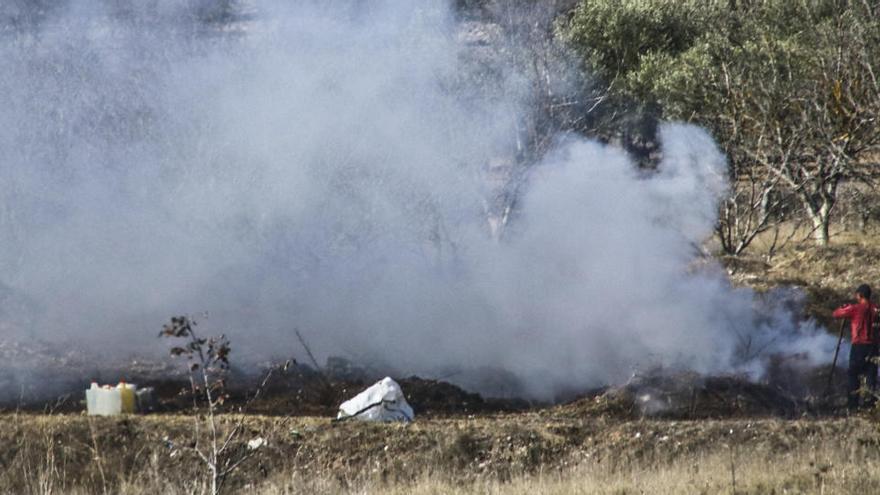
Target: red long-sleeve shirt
[(861, 321)]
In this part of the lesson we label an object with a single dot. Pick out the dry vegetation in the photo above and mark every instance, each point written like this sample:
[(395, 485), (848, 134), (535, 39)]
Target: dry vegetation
[(540, 452), (827, 274)]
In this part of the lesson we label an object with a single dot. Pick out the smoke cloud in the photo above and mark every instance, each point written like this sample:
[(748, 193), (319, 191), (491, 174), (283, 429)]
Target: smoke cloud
[(326, 166)]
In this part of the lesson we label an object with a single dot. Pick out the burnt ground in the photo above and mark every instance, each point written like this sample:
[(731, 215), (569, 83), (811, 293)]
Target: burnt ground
[(44, 377), (49, 377), (301, 390)]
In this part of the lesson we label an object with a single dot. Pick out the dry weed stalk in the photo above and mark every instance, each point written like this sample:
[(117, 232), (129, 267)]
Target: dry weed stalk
[(208, 365), (96, 454)]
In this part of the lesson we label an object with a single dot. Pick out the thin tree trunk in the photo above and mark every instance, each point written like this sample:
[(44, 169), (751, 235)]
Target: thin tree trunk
[(821, 234), (820, 217), (819, 205)]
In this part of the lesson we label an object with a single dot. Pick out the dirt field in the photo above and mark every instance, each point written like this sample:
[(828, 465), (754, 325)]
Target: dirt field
[(548, 451)]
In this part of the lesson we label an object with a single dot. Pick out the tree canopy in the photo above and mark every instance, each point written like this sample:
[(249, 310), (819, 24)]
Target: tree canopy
[(788, 88)]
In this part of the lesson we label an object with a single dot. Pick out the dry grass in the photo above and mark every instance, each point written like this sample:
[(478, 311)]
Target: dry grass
[(827, 274), (525, 453), (826, 471)]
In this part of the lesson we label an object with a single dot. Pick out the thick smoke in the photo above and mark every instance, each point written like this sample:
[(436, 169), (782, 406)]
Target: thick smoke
[(324, 167)]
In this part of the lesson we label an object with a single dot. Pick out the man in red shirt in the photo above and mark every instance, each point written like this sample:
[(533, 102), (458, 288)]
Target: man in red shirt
[(863, 352)]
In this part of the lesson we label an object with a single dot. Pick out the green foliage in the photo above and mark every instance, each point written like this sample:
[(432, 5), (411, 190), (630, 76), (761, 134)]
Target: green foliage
[(788, 88), (615, 36), (671, 51)]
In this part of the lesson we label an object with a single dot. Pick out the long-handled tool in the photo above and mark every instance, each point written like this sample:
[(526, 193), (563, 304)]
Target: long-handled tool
[(834, 361)]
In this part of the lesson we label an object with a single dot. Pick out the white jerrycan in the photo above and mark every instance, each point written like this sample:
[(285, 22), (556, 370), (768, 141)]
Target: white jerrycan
[(92, 399), (103, 401)]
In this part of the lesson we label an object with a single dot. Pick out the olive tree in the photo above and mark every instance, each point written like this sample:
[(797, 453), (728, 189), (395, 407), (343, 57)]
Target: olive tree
[(788, 89)]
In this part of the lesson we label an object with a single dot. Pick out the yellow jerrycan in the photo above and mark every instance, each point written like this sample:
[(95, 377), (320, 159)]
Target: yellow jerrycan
[(127, 393)]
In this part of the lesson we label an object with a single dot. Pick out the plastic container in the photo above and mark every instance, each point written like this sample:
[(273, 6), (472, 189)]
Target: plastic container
[(110, 401), (92, 398), (127, 397)]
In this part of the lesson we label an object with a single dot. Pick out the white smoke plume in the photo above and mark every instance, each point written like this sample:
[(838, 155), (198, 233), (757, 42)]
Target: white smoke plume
[(322, 166)]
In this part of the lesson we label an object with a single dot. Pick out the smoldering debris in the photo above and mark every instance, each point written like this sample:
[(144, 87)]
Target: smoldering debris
[(687, 395), (304, 390), (676, 394)]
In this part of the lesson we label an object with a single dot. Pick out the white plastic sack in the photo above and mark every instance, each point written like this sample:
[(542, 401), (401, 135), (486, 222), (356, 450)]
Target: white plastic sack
[(383, 401)]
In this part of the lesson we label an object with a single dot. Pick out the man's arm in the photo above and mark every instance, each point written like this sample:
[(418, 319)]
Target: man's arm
[(843, 311)]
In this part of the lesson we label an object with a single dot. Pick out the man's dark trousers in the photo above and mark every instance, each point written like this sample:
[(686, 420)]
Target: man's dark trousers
[(862, 363)]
